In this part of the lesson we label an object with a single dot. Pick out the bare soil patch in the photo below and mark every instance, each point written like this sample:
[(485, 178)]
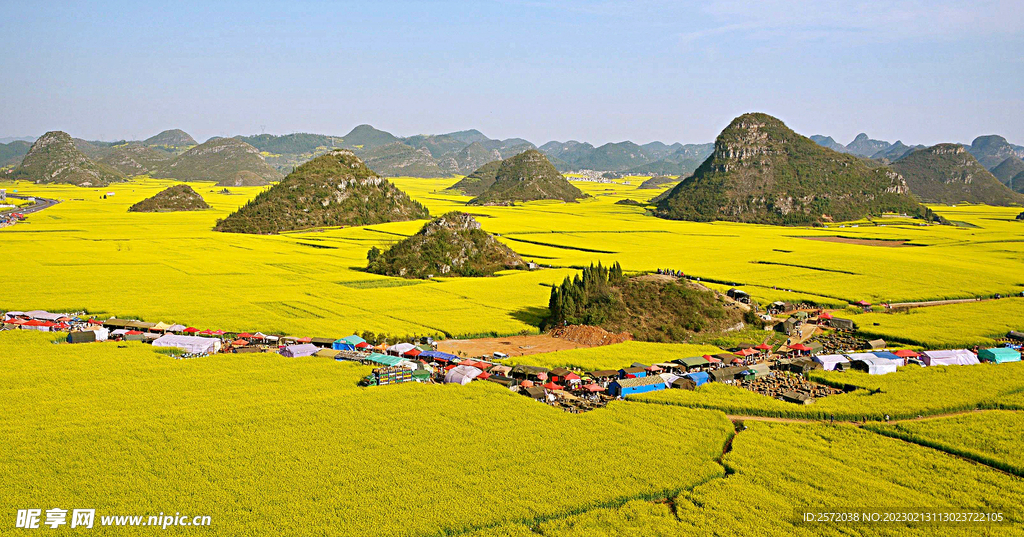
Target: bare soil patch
[(862, 242), (512, 345)]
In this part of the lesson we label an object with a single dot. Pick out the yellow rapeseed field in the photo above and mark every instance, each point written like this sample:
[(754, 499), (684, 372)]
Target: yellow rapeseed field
[(260, 441), (90, 253)]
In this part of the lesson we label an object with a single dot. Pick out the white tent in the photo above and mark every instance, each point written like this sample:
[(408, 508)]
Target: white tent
[(101, 333), (953, 357), (298, 351), (463, 374), (400, 348), (829, 362), (207, 345), (872, 364)]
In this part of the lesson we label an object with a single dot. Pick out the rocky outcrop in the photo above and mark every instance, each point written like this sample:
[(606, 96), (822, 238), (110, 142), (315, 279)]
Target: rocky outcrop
[(528, 176), (948, 173), (175, 198), (335, 189), (53, 158), (450, 245), (762, 172)]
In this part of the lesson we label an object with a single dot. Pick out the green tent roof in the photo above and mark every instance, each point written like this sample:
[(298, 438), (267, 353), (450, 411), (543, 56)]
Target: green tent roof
[(999, 355), (353, 340), (385, 359)]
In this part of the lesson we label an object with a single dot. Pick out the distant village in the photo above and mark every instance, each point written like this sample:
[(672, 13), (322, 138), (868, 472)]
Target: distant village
[(779, 372)]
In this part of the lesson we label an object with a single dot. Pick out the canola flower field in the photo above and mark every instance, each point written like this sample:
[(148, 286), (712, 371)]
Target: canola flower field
[(261, 440), (992, 437), (89, 253)]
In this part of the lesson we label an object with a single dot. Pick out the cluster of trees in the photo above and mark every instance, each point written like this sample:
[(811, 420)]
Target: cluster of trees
[(583, 299)]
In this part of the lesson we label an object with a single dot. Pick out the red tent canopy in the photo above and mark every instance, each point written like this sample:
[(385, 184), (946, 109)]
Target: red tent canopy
[(825, 315), (524, 384), (552, 386), (219, 332), (572, 376), (239, 343), (94, 321), (712, 359), (245, 335), (190, 330), (363, 345), (206, 332), (906, 353), (593, 388), (799, 347), (411, 353), (746, 352), (763, 347), (483, 376), (737, 360), (863, 303), (304, 339), (133, 332)]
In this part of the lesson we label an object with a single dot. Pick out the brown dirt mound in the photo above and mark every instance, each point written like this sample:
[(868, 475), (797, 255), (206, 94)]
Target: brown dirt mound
[(590, 335)]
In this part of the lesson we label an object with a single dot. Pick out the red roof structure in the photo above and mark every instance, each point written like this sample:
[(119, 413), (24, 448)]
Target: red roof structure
[(747, 352), (825, 315), (239, 343), (906, 353), (552, 386), (593, 388), (763, 347), (411, 353), (246, 335), (572, 376), (363, 345), (191, 330)]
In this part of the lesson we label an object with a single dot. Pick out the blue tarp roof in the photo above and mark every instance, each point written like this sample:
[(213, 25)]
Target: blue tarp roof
[(435, 355), (698, 377), (887, 355)]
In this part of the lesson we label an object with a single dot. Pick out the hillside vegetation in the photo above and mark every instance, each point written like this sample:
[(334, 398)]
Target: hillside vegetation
[(53, 158), (217, 160), (336, 189), (947, 173), (175, 198), (763, 172), (528, 176), (401, 160), (449, 245), (658, 182), (477, 182), (652, 308)]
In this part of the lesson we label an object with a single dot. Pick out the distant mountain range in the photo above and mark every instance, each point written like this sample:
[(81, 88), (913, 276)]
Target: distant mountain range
[(948, 173)]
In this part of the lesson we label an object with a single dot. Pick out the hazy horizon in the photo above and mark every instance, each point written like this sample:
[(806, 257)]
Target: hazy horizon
[(920, 72)]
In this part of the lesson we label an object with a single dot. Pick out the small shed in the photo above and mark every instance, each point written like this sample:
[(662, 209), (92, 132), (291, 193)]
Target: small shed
[(636, 372), (298, 351), (698, 377), (603, 374), (800, 398), (759, 371), (533, 392), (841, 324), (81, 337), (631, 386), (684, 383), (727, 373), (327, 353), (999, 355), (694, 363), (323, 342), (1015, 334), (802, 365), (787, 326), (876, 344)]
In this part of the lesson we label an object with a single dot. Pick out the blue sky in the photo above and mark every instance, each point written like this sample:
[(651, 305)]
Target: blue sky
[(920, 71)]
